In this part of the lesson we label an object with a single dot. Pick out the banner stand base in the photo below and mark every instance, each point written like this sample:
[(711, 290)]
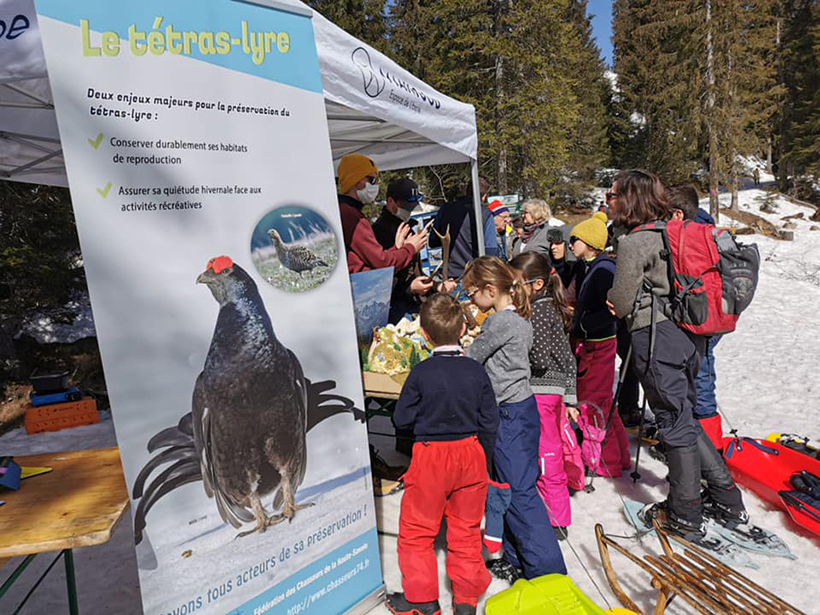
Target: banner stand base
[(370, 602)]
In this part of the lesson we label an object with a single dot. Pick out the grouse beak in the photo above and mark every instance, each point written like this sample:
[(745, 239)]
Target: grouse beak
[(203, 277)]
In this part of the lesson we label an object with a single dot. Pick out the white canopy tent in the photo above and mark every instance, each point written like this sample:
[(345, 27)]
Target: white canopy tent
[(374, 107)]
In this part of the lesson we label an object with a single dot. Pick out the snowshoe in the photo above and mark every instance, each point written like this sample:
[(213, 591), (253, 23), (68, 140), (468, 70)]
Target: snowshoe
[(658, 510), (658, 452), (712, 542), (504, 570), (723, 515)]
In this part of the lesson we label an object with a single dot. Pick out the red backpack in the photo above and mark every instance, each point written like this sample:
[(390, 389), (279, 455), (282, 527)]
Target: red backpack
[(712, 277)]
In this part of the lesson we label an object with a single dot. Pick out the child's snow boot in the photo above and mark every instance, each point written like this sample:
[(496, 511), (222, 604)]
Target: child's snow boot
[(399, 605), (463, 609)]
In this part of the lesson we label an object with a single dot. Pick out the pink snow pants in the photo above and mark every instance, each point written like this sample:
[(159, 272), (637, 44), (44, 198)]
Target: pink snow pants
[(560, 459), (596, 378)]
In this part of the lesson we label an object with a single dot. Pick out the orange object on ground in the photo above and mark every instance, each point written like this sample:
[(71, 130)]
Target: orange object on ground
[(55, 417)]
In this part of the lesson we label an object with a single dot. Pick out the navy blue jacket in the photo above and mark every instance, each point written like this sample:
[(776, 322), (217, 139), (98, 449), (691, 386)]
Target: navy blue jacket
[(593, 320), (449, 397)]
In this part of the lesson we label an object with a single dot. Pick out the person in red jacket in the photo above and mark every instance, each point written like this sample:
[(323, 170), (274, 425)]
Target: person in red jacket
[(358, 186)]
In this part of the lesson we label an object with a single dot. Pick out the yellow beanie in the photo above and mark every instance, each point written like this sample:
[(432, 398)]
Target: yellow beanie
[(592, 232), (353, 168), (601, 216)]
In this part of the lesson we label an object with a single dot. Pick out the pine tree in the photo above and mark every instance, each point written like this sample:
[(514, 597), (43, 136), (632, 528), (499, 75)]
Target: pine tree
[(658, 84), (508, 58), (800, 137), (364, 19), (590, 143)]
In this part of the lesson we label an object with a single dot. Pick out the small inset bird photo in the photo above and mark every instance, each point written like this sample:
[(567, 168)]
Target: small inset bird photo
[(294, 249)]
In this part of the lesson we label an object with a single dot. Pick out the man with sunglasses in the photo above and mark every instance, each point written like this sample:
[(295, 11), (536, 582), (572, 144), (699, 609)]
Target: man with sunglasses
[(409, 283), (358, 186)]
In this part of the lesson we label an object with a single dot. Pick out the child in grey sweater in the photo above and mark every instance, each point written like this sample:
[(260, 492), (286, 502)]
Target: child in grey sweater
[(530, 546)]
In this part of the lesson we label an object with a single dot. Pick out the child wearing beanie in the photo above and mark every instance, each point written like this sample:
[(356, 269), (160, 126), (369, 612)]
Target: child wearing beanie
[(594, 331)]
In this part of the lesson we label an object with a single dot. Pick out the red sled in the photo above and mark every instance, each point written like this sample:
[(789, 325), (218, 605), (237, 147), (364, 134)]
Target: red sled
[(767, 468)]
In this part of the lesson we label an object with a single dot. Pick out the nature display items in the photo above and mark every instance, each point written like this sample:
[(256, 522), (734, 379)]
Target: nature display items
[(396, 349), (225, 325)]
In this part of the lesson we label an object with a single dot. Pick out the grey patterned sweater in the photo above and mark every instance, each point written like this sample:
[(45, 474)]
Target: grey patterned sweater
[(553, 364), (503, 347)]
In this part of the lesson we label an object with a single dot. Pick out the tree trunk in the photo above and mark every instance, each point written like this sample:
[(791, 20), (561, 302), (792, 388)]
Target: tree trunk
[(501, 160), (734, 185), (714, 204), (769, 154)]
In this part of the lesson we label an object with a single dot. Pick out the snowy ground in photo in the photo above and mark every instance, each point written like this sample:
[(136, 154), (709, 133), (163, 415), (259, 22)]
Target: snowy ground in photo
[(766, 382)]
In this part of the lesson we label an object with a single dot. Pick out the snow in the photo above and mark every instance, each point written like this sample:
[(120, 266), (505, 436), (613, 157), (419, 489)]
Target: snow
[(66, 325), (766, 382)]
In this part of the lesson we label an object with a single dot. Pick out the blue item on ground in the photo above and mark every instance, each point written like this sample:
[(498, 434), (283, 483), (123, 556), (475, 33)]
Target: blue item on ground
[(60, 397)]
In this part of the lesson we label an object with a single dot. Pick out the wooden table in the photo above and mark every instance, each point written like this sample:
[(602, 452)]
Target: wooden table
[(78, 504)]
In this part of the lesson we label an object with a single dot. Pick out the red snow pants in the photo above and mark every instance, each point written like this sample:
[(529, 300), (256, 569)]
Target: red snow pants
[(445, 480), (596, 379), (560, 459)]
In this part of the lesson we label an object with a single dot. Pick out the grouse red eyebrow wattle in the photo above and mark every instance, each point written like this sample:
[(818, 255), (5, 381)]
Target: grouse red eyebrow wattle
[(220, 263)]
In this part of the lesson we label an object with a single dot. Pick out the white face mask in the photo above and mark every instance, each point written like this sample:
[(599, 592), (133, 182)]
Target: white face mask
[(403, 213), (368, 194)]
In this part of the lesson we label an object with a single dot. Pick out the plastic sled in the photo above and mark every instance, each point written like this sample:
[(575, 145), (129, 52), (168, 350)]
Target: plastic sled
[(766, 468), (552, 594)]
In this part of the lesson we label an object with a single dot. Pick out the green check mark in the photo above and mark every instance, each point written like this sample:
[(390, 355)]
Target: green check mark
[(95, 143), (103, 192)]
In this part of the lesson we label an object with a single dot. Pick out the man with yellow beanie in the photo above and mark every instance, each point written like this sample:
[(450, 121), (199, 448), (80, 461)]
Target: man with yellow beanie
[(594, 330), (359, 186)]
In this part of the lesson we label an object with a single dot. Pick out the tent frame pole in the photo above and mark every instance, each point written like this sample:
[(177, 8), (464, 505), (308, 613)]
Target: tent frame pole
[(479, 218)]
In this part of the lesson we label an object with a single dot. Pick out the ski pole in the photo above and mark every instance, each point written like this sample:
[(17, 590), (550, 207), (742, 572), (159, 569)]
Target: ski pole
[(635, 475)]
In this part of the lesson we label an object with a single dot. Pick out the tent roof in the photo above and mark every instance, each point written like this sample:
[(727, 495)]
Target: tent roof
[(374, 107)]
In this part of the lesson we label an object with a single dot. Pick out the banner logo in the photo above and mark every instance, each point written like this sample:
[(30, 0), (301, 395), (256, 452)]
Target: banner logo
[(373, 84), (15, 27)]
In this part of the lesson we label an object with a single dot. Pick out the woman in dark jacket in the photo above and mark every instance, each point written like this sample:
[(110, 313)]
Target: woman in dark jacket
[(666, 360)]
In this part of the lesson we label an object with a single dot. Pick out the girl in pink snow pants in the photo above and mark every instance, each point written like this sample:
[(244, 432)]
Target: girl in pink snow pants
[(553, 382)]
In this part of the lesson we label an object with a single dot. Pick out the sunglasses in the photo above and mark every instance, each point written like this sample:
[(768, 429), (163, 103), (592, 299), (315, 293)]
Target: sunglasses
[(372, 179), (611, 195), (572, 240), (473, 293)]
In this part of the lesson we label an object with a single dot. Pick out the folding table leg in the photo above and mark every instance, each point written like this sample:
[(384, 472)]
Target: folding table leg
[(71, 581)]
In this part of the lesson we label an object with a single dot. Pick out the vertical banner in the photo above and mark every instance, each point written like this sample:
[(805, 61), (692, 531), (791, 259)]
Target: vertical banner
[(198, 158)]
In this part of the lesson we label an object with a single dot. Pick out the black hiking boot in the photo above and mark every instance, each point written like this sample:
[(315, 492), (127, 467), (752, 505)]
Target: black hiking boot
[(561, 532), (503, 570), (381, 468), (727, 517), (399, 605), (463, 609), (692, 532)]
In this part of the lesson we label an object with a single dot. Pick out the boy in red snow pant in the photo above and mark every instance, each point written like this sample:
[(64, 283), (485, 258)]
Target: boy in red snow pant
[(448, 402)]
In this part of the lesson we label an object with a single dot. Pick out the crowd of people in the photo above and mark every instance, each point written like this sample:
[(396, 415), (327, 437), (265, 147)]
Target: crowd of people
[(528, 411)]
